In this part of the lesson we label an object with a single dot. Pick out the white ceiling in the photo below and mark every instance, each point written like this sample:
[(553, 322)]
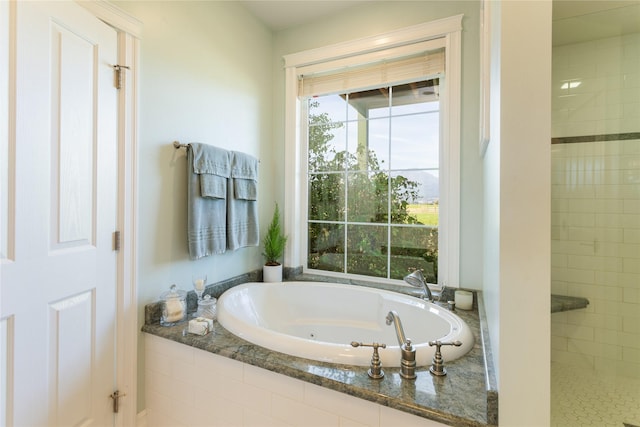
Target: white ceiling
[(281, 14), (574, 20), (570, 8), (578, 21)]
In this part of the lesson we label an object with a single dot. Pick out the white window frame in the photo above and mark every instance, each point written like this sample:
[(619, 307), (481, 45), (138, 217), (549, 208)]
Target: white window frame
[(295, 203)]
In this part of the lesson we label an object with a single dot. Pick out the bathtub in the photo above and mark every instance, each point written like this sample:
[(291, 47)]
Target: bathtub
[(318, 321)]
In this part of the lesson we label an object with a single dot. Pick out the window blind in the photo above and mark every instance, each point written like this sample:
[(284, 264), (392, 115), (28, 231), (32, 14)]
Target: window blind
[(383, 71)]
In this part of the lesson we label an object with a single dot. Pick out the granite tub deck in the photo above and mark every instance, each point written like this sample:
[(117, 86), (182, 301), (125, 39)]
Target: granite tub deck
[(467, 396)]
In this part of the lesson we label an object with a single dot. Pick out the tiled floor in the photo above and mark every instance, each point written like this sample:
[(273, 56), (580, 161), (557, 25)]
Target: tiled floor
[(582, 398)]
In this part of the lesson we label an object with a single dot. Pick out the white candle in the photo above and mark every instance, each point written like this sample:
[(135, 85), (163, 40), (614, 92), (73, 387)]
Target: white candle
[(464, 300)]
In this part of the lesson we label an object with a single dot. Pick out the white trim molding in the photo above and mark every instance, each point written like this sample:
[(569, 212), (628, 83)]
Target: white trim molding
[(485, 74), (128, 332), (404, 36), (8, 131), (446, 31), (129, 31), (141, 419), (113, 16), (449, 218), (7, 356)]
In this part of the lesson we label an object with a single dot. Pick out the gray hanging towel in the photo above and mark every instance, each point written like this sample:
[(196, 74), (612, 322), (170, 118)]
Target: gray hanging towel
[(242, 202), (208, 170)]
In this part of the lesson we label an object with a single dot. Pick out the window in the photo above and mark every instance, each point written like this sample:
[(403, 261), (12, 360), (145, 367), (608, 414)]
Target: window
[(373, 186), (372, 169)]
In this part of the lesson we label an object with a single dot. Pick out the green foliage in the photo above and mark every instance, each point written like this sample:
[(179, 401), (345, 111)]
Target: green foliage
[(374, 196), (426, 213), (274, 241)]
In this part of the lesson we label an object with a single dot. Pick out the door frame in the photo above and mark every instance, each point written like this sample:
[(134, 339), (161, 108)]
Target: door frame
[(129, 32)]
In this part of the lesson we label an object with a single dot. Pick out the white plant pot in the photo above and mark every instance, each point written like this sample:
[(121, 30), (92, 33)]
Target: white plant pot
[(272, 273)]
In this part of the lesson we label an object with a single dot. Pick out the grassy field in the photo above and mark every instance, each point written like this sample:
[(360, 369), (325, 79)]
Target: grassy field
[(426, 214)]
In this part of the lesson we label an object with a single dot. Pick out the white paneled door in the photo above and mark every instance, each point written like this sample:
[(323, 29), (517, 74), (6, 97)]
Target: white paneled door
[(60, 203)]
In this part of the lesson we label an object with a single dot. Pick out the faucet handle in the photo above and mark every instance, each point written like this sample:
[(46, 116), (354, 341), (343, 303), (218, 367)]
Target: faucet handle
[(438, 362), (437, 292), (439, 343), (408, 361), (375, 371)]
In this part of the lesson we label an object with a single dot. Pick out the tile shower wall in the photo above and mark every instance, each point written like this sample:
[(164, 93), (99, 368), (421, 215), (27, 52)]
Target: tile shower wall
[(596, 87), (191, 387), (596, 204)]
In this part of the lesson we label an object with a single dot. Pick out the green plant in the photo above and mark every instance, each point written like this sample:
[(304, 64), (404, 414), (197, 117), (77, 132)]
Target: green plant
[(274, 241)]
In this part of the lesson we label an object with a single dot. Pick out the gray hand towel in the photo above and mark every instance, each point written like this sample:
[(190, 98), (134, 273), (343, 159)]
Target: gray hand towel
[(213, 186), (245, 189)]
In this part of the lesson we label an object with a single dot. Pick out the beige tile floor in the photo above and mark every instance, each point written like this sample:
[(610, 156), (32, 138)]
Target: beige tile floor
[(581, 398)]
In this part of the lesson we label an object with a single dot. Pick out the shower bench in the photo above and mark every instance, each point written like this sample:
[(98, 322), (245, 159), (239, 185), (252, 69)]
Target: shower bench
[(565, 303)]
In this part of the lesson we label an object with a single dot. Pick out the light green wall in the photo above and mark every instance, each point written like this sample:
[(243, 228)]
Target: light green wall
[(205, 75), (210, 72), (379, 17)]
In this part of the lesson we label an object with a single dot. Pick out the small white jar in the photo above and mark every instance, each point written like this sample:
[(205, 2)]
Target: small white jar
[(207, 307)]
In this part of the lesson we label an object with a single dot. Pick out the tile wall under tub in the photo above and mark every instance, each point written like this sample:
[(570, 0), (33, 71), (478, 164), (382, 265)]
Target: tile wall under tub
[(188, 387)]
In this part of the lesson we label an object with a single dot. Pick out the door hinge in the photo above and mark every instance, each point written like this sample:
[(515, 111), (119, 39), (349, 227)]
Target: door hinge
[(117, 78), (115, 396), (116, 240)]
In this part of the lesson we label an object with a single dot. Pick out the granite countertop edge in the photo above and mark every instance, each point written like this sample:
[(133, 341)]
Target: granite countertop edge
[(467, 396)]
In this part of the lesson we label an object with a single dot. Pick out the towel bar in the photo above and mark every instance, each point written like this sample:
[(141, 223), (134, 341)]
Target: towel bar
[(177, 145)]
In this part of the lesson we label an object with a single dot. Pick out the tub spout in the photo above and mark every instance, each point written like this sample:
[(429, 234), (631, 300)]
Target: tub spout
[(393, 317), (408, 357)]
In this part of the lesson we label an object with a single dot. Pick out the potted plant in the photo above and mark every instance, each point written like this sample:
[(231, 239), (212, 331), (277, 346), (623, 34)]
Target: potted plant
[(274, 243)]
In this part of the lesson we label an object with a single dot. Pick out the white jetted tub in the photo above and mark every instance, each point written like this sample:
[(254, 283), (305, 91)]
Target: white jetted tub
[(318, 321)]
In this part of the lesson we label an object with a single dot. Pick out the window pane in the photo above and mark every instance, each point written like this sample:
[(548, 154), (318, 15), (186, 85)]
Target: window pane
[(369, 103), (379, 144), (326, 247), (327, 133), (383, 145), (415, 141), (413, 197), (415, 97), (367, 193), (365, 246), (327, 145), (356, 143), (326, 197), (328, 108), (414, 248)]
